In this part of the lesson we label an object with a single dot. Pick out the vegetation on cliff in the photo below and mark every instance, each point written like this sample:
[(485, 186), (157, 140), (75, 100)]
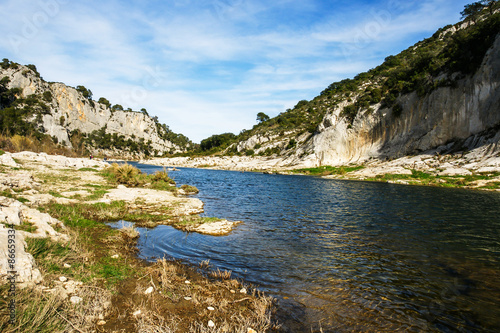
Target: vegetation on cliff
[(22, 116), (452, 53)]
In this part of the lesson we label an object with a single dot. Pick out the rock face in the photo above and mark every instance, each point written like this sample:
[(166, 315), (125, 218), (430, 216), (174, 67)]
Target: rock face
[(69, 110), (13, 213), (464, 114)]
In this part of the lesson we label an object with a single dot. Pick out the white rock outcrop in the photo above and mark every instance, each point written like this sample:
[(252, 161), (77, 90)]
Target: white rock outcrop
[(69, 110), (448, 114)]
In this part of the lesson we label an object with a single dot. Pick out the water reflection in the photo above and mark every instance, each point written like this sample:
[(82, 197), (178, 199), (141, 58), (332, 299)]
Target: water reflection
[(351, 255)]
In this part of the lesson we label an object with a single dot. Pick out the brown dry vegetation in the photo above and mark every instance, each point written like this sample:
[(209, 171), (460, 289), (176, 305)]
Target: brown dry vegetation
[(19, 143)]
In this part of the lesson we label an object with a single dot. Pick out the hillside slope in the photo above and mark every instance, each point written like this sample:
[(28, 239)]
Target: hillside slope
[(31, 106), (443, 93)]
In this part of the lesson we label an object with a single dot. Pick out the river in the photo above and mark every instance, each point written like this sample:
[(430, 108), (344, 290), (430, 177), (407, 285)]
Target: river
[(349, 255)]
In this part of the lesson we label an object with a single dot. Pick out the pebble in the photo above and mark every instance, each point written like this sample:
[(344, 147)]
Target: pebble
[(136, 313), (101, 322), (67, 266), (187, 298), (211, 308), (115, 256), (211, 323), (251, 330), (75, 299), (63, 279), (243, 291), (149, 290), (232, 291), (187, 282)]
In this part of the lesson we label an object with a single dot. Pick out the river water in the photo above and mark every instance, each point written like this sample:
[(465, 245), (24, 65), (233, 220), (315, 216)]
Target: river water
[(349, 255)]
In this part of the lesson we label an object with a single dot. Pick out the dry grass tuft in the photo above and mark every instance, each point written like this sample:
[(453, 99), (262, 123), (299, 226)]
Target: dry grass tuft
[(129, 233), (223, 275)]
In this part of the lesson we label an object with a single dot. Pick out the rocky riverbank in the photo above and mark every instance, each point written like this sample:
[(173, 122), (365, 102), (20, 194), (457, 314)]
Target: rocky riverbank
[(76, 274), (444, 166)]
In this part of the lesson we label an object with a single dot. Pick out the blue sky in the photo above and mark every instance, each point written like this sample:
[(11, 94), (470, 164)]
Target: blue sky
[(209, 66)]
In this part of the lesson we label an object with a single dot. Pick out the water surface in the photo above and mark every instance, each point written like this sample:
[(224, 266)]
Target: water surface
[(350, 255)]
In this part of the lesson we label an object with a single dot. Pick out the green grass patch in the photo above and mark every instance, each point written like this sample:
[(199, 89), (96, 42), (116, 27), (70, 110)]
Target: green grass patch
[(85, 215), (8, 194), (196, 219), (97, 194), (26, 226), (55, 194), (88, 169), (112, 271), (163, 186), (328, 170)]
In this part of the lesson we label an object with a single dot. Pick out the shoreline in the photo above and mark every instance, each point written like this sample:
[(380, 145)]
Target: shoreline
[(474, 170), (77, 273)]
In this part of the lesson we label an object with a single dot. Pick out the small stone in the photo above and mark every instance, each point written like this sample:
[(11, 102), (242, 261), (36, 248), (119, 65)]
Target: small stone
[(137, 313), (232, 291), (101, 316), (211, 323), (101, 323), (187, 298), (63, 279), (149, 290), (115, 256), (75, 299), (243, 291), (67, 266), (251, 330), (211, 308), (187, 282)]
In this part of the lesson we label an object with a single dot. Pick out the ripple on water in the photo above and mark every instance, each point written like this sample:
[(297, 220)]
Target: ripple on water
[(350, 255)]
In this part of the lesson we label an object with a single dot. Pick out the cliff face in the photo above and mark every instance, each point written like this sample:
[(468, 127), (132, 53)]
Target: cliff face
[(69, 110), (448, 114)]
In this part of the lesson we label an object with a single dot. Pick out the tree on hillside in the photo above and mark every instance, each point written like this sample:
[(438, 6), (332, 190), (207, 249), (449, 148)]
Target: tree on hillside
[(471, 11), (217, 140), (261, 117), (117, 107), (104, 101), (85, 92), (491, 5), (5, 63), (33, 68)]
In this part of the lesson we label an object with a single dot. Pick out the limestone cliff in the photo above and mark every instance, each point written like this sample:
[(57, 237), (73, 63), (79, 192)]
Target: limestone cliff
[(66, 111), (447, 114), (442, 94)]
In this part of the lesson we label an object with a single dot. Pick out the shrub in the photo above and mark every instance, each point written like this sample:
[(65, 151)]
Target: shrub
[(291, 144), (125, 174), (162, 176), (189, 189), (21, 143), (47, 96)]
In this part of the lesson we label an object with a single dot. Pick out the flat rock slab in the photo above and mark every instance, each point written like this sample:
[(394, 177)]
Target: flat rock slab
[(25, 266), (149, 198), (217, 228)]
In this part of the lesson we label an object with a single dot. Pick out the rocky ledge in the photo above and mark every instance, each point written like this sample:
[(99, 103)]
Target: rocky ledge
[(28, 181)]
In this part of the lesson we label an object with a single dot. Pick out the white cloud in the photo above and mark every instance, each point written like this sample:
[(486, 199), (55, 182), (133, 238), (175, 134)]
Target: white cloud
[(206, 68)]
